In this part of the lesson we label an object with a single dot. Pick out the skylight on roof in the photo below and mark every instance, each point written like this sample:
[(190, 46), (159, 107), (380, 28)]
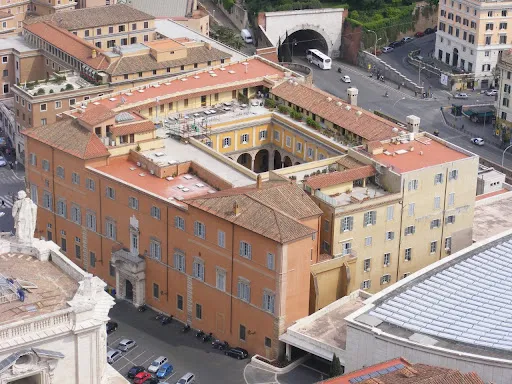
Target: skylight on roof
[(124, 117)]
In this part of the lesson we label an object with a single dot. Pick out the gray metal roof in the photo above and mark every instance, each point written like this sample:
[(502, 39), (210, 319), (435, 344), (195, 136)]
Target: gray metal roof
[(468, 302), (161, 8)]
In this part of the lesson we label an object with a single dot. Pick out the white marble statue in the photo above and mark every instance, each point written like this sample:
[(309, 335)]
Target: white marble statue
[(24, 212)]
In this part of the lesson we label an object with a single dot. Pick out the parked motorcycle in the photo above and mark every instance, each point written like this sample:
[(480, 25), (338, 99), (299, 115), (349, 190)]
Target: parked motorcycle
[(208, 337), (142, 308), (220, 345), (339, 69), (166, 320), (159, 316), (186, 328), (199, 334)]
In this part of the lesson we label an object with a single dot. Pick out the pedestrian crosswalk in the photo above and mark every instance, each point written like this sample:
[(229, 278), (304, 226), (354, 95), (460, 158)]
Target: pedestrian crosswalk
[(10, 179), (7, 202)]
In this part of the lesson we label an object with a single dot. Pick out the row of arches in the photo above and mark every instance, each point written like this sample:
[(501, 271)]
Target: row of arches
[(263, 162)]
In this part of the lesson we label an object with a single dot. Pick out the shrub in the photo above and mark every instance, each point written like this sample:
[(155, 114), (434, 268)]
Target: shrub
[(312, 123), (40, 91), (296, 115), (283, 109), (51, 91), (270, 103), (137, 148), (69, 87)]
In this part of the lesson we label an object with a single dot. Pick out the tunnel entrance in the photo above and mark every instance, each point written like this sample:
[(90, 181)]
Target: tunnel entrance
[(296, 44)]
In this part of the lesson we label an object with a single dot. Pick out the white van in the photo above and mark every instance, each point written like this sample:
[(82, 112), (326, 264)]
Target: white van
[(246, 36)]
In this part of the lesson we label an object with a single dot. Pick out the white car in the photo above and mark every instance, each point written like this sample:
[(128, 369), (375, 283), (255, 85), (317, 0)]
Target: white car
[(126, 344), (492, 92), (113, 356), (157, 363), (461, 95), (346, 79), (3, 162), (407, 39), (477, 141), (387, 49)]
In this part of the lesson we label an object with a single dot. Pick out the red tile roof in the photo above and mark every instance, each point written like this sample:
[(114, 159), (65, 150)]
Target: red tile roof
[(357, 120), (70, 137), (340, 177), (95, 114), (137, 127), (69, 43)]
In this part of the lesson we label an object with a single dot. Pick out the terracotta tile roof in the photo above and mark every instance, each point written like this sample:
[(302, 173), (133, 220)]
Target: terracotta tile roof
[(340, 177), (349, 162), (93, 17), (70, 137), (272, 211), (96, 114), (137, 127), (132, 64), (69, 43), (367, 125)]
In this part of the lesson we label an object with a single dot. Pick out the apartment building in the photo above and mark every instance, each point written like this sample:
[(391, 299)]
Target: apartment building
[(80, 4), (502, 104), (471, 34)]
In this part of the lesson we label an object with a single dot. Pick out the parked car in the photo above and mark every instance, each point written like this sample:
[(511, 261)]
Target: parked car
[(126, 344), (345, 79), (429, 31), (164, 371), (387, 49), (134, 371), (460, 95), (157, 363), (153, 380), (395, 44), (407, 39), (220, 345), (142, 377), (419, 34), (111, 325), (238, 353), (478, 141), (491, 92), (187, 378), (3, 162), (114, 355)]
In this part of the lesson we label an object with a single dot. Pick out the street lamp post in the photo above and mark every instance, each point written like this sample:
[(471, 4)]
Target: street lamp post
[(376, 40), (403, 98), (420, 68), (503, 155)]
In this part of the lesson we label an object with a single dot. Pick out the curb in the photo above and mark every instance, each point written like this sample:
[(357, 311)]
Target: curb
[(279, 371)]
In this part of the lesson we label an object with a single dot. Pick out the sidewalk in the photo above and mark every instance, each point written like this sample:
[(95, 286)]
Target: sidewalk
[(471, 129), (215, 13)]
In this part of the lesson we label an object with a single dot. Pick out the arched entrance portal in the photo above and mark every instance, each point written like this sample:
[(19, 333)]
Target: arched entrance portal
[(261, 161), (245, 159), (129, 290), (287, 162), (455, 59), (298, 42), (277, 160)]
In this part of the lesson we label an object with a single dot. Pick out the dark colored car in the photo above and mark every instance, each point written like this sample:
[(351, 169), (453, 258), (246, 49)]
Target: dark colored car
[(134, 371), (395, 44), (429, 31), (419, 34), (153, 380), (238, 353), (111, 327)]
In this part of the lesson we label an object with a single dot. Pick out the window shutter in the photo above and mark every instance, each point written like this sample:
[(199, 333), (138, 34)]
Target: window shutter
[(350, 223), (362, 285), (241, 248), (366, 219), (374, 217)]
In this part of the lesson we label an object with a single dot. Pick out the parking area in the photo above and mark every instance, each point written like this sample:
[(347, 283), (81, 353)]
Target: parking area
[(185, 352)]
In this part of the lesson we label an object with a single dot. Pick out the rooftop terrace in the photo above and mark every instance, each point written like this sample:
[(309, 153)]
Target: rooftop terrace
[(56, 84)]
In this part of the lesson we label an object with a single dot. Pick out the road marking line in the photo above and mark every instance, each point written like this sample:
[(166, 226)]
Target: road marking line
[(115, 341), (139, 355), (148, 359), (16, 176)]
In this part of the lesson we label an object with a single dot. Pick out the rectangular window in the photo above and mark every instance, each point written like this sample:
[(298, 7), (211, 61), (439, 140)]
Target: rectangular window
[(271, 261), (451, 199), (90, 220), (370, 218), (263, 135), (269, 301), (199, 229), (326, 247), (390, 213), (47, 200), (311, 153), (298, 147), (385, 279), (156, 291), (288, 141), (438, 179), (268, 342), (76, 215), (390, 235), (221, 239), (413, 185), (347, 223), (366, 284), (433, 246), (435, 223), (199, 311), (63, 244), (410, 230), (367, 263), (75, 178), (46, 165), (133, 203), (90, 184), (179, 222), (179, 260), (155, 249), (112, 270), (33, 159), (155, 212), (410, 210), (346, 248), (387, 259), (92, 259), (437, 202), (110, 229), (368, 241), (221, 279), (242, 332), (60, 172), (61, 208), (111, 193), (450, 219), (453, 175), (245, 250), (179, 302), (448, 244), (276, 136), (408, 254), (199, 269), (226, 142), (503, 39), (33, 193), (244, 290), (244, 138)]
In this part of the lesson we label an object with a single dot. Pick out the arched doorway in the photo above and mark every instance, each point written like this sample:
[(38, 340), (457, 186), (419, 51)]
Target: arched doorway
[(245, 159), (277, 160), (296, 44), (287, 162), (455, 59), (261, 161), (128, 295)]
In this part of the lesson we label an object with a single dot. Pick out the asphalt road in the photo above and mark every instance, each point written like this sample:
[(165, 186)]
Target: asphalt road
[(185, 352), (10, 182)]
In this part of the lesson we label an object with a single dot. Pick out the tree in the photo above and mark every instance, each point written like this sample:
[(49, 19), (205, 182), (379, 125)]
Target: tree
[(286, 55), (336, 369), (227, 36)]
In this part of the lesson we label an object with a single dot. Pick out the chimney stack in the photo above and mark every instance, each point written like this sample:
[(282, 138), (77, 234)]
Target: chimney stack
[(258, 182), (352, 95), (236, 209), (93, 54), (413, 124)]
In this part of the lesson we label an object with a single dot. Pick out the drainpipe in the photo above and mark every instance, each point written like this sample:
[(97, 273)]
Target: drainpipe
[(401, 231), (441, 244), (167, 251), (232, 279)]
